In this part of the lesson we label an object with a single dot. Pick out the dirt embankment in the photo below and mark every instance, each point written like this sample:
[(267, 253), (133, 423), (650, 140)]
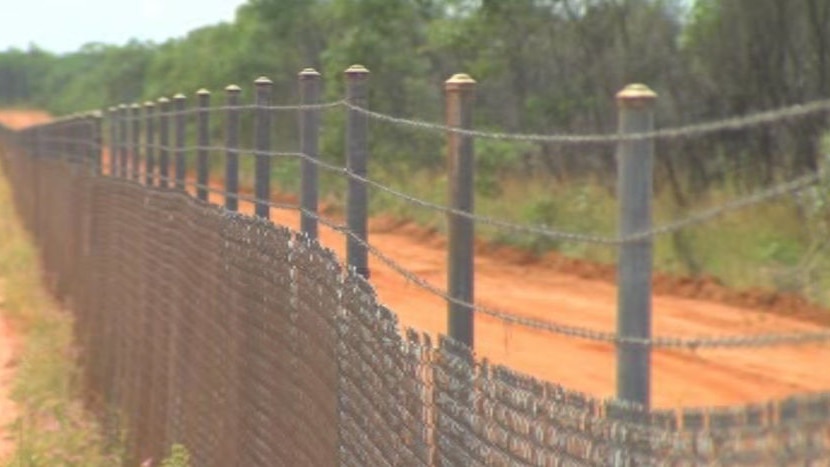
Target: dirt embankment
[(580, 293)]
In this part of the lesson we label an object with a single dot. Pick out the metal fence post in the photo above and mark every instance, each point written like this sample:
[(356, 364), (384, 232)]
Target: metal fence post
[(63, 139), (357, 156), (203, 141), (149, 143), (123, 140), (164, 142), (75, 137), (65, 134), (262, 145), (112, 114), (232, 93), (460, 92), (135, 142), (68, 136), (309, 146), (179, 101), (635, 159), (96, 150)]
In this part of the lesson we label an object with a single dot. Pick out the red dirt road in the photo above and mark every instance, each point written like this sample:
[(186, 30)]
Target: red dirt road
[(680, 378), (580, 294), (16, 119)]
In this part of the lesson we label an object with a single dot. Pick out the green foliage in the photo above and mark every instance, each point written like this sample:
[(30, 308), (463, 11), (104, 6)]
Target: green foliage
[(494, 160), (179, 457)]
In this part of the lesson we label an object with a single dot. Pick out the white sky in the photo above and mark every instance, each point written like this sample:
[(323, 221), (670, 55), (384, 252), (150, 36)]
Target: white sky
[(65, 25)]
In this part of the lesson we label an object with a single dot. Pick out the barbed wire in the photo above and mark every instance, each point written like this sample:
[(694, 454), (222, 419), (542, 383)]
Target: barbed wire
[(697, 218), (173, 182), (665, 342), (518, 228), (219, 108), (241, 151), (584, 333), (733, 123), (689, 343), (706, 215)]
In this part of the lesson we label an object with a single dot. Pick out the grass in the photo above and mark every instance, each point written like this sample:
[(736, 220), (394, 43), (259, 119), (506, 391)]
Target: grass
[(53, 428)]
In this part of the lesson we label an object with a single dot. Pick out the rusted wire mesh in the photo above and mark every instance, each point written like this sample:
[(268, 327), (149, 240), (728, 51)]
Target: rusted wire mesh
[(252, 346)]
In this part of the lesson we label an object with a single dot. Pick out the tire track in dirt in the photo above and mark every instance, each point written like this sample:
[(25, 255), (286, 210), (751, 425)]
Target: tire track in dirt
[(582, 294)]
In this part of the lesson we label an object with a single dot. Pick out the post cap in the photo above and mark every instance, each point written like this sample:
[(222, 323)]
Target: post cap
[(179, 97), (149, 104), (203, 92), (122, 106), (112, 109), (357, 71), (309, 73), (163, 100), (232, 88), (636, 94), (135, 106), (263, 81), (459, 81)]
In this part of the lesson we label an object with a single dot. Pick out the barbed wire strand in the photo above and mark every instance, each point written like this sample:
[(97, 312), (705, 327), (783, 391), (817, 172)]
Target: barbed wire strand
[(734, 123), (697, 218), (218, 108), (760, 340)]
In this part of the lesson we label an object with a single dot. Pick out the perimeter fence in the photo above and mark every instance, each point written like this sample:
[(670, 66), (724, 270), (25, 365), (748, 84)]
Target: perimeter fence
[(252, 344)]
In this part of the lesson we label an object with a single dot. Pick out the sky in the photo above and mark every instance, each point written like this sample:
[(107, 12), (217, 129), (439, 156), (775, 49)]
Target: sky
[(65, 25)]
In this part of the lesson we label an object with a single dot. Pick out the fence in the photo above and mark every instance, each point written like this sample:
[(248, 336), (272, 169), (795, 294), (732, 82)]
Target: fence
[(252, 344)]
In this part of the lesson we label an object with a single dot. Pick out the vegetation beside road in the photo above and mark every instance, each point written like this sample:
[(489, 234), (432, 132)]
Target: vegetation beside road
[(53, 428)]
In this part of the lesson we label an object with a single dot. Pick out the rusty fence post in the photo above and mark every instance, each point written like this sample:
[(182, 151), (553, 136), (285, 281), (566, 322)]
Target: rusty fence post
[(262, 147), (123, 141), (309, 146), (232, 93), (112, 129), (357, 156), (164, 142), (635, 159), (96, 149), (149, 143), (180, 123), (135, 142), (202, 141), (460, 93)]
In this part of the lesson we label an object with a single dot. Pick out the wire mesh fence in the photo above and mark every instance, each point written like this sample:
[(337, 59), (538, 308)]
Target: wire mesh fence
[(252, 344)]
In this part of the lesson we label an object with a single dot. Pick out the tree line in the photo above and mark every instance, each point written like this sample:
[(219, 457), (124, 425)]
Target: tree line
[(543, 66)]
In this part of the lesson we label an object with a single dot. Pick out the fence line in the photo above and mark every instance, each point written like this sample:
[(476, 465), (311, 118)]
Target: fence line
[(562, 329), (448, 423), (760, 196), (695, 129)]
